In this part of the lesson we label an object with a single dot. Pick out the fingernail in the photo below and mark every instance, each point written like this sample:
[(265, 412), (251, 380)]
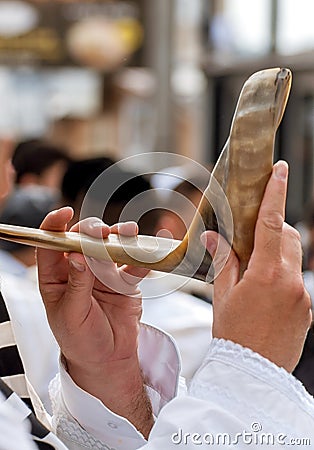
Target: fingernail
[(129, 228), (98, 224), (209, 243), (281, 170), (77, 266)]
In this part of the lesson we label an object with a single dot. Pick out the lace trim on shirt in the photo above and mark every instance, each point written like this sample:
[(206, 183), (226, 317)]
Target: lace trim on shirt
[(66, 427), (259, 367), (69, 430)]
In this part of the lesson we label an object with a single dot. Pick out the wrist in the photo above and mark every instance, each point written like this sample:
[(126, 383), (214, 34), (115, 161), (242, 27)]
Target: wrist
[(119, 385), (96, 378)]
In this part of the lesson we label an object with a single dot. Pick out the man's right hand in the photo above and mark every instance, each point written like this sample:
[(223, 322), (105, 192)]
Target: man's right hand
[(268, 310)]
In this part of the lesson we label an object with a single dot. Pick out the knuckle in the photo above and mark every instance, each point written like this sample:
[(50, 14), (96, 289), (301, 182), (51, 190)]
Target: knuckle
[(292, 232), (307, 300), (46, 290), (298, 292), (75, 285), (224, 260)]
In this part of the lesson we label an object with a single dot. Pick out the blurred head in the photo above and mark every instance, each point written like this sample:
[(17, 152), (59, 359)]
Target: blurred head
[(38, 162), (27, 207), (181, 207), (110, 193), (78, 178)]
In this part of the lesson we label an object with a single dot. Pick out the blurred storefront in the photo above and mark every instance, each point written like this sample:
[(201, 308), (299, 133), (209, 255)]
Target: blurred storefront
[(126, 77), (244, 37)]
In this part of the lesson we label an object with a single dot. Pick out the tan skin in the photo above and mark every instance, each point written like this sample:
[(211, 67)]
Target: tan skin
[(97, 329), (6, 167)]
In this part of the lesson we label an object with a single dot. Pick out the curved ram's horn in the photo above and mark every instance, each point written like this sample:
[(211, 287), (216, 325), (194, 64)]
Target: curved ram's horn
[(242, 171)]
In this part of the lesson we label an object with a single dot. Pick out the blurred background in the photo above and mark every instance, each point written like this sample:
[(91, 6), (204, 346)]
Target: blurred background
[(118, 78), (84, 84)]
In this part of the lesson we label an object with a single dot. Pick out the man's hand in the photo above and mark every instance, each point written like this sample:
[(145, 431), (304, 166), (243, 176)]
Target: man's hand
[(96, 327), (268, 310)]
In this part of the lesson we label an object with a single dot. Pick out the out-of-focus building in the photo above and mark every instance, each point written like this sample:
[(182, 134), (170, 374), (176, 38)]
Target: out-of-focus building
[(134, 76)]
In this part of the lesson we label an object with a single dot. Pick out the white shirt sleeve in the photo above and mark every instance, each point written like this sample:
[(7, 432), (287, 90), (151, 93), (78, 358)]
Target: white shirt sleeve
[(237, 398), (308, 277), (81, 418)]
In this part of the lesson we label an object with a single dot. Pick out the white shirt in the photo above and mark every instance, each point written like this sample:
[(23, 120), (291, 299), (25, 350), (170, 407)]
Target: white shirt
[(36, 343), (10, 264), (308, 277), (235, 391), (183, 316), (168, 305), (236, 395)]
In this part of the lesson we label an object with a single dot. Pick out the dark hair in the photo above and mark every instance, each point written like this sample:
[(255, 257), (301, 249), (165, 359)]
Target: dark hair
[(191, 185), (35, 156), (26, 207), (81, 175)]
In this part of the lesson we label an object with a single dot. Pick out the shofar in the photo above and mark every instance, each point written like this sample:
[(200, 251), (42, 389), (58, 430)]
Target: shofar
[(242, 172)]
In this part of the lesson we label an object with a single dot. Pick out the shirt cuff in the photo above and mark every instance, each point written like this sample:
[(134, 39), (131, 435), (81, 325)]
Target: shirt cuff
[(160, 363)]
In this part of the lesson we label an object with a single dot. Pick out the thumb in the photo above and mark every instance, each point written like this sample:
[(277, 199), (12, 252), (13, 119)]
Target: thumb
[(226, 263)]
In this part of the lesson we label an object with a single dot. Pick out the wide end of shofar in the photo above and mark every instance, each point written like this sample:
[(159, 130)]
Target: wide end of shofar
[(229, 205)]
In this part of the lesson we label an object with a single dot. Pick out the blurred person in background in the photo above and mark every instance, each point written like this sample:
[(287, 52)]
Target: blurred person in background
[(306, 227), (6, 147), (16, 405), (181, 201), (174, 223), (304, 371), (33, 192), (78, 178), (305, 368), (39, 162), (27, 206)]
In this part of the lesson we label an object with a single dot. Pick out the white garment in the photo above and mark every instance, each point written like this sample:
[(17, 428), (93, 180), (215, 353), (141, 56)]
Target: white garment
[(168, 305), (14, 434), (10, 264), (183, 316), (236, 395), (235, 390), (35, 341), (308, 277)]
